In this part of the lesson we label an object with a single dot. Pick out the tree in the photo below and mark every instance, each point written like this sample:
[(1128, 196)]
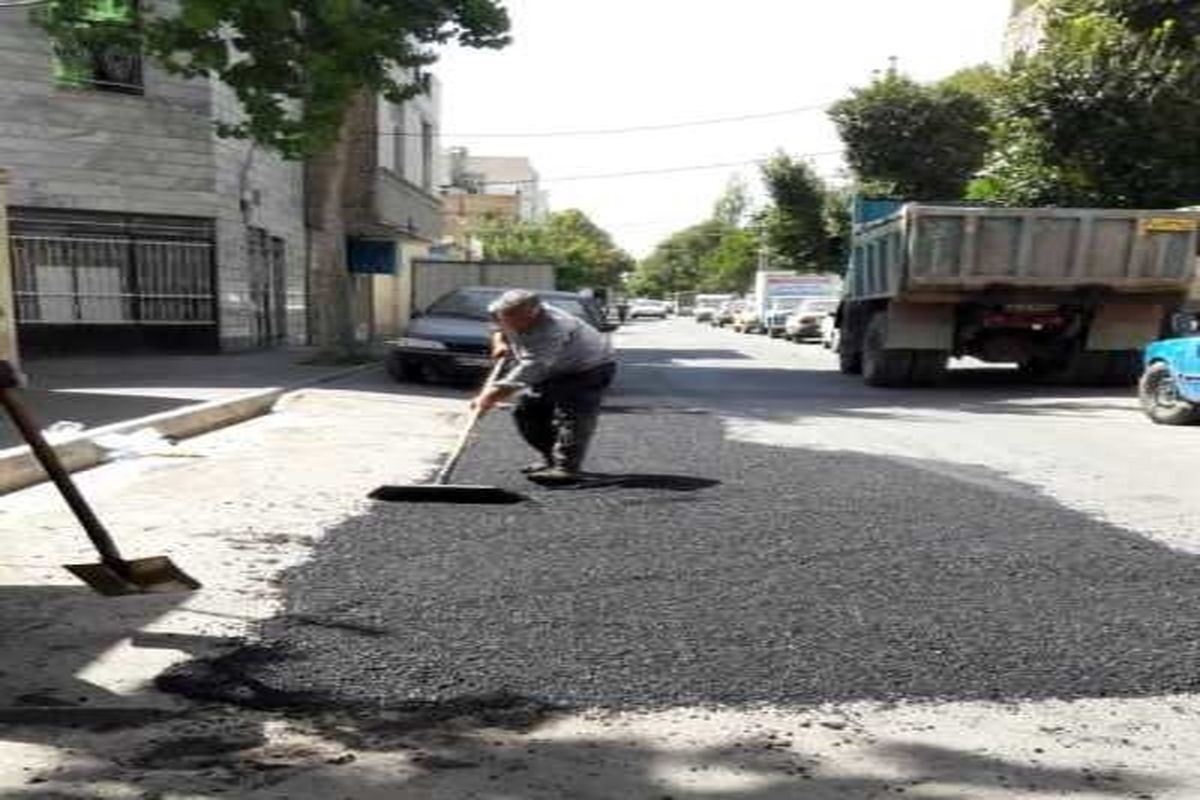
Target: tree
[(298, 67), (583, 252), (730, 267), (913, 141), (1105, 113), (733, 204), (676, 264), (795, 223)]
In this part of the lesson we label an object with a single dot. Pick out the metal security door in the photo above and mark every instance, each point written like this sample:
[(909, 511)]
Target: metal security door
[(268, 286)]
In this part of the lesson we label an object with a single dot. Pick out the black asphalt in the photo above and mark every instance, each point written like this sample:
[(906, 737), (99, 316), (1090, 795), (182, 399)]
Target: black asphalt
[(750, 574)]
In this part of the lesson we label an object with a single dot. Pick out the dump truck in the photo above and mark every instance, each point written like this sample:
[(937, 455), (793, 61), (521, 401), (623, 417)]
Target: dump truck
[(1069, 295)]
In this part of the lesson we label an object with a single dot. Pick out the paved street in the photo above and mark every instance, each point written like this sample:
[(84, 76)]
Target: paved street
[(781, 581)]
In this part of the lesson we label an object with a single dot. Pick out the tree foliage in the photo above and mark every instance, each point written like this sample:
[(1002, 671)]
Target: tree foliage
[(795, 224), (584, 253), (1105, 113), (678, 262), (295, 65), (729, 268), (911, 140)]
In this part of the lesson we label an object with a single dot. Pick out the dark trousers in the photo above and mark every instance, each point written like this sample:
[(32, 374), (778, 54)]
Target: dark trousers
[(559, 417)]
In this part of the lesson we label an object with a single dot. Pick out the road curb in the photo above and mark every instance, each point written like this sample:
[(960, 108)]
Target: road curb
[(19, 469)]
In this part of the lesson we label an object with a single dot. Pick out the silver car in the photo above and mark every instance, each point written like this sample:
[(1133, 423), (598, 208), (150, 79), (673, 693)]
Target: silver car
[(450, 339)]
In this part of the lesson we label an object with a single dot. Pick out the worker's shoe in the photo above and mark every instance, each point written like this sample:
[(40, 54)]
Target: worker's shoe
[(555, 476), (536, 466)]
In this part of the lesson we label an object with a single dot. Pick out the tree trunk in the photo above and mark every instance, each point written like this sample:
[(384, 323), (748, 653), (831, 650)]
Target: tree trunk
[(330, 296)]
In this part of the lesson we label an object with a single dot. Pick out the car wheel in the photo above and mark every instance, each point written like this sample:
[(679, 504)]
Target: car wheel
[(1160, 398), (406, 370)]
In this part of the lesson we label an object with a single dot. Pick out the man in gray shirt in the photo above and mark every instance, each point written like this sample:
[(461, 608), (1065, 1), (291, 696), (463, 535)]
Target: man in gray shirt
[(563, 366)]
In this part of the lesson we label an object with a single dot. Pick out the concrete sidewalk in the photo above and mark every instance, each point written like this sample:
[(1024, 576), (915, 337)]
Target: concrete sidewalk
[(104, 390)]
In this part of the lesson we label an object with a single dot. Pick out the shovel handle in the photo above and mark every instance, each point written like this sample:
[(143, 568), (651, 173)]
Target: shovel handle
[(443, 476), (50, 462)]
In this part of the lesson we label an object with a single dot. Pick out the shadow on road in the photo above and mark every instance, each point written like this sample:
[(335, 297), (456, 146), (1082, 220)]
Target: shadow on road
[(787, 393), (512, 747)]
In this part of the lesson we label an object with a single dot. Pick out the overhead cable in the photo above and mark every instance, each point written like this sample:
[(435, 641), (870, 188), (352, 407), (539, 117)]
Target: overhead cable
[(660, 171), (616, 131)]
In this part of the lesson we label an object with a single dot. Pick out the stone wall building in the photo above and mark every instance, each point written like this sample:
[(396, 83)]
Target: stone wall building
[(133, 225)]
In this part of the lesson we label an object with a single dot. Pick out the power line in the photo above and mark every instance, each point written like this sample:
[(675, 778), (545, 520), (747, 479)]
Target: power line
[(22, 3), (662, 171), (666, 126)]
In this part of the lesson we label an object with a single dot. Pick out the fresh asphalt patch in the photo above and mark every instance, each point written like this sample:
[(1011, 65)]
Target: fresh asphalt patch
[(781, 576)]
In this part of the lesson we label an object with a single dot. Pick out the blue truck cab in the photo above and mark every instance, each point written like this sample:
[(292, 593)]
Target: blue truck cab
[(1169, 389)]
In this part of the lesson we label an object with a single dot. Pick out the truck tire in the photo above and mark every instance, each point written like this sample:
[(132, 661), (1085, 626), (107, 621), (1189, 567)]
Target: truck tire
[(928, 367), (881, 366), (1160, 399), (850, 362)]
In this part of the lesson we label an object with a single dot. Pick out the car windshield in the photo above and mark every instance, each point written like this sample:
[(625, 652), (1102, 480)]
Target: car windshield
[(473, 304), (460, 303)]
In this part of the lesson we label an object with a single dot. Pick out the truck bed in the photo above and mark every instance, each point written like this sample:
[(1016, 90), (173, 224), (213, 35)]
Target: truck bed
[(945, 249)]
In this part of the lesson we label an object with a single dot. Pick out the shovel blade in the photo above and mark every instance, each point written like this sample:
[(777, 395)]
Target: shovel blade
[(154, 575), (434, 493)]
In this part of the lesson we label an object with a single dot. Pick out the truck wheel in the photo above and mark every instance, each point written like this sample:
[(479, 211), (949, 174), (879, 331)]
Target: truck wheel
[(1160, 398), (881, 366), (928, 367), (850, 362)]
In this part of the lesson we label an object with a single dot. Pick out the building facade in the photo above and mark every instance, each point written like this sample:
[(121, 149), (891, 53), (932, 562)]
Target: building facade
[(483, 188), (392, 209), (133, 226)]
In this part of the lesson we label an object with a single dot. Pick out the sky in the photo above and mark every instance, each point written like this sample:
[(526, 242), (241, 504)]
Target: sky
[(587, 65)]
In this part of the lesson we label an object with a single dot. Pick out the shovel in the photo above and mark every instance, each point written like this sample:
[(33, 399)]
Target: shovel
[(441, 490), (113, 576)]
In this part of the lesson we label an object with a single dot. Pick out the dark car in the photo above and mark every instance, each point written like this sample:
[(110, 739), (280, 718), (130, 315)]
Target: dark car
[(449, 341)]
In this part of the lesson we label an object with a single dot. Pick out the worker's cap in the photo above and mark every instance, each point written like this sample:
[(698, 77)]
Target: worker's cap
[(514, 299)]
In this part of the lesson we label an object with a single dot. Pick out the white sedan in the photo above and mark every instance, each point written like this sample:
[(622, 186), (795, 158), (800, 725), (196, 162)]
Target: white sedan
[(810, 319), (649, 308)]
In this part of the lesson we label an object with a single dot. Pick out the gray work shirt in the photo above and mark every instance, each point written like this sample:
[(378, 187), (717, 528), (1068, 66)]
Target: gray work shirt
[(558, 344)]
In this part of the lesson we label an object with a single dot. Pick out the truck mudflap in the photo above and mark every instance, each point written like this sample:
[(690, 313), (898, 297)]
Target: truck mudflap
[(1124, 326), (920, 326)]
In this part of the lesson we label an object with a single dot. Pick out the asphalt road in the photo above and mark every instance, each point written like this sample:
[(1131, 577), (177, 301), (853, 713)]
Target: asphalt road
[(732, 558)]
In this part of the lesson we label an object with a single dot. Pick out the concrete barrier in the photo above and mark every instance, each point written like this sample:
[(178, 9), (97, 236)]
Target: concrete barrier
[(20, 469)]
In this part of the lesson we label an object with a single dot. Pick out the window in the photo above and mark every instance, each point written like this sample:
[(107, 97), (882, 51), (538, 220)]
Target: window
[(426, 156), (112, 66)]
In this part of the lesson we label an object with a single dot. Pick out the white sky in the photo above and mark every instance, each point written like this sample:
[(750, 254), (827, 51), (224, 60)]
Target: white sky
[(599, 64)]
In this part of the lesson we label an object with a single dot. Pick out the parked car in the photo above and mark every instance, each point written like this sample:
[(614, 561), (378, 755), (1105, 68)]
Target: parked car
[(774, 322), (726, 312), (1169, 388), (449, 340), (830, 334), (707, 305), (656, 309), (806, 321), (747, 320)]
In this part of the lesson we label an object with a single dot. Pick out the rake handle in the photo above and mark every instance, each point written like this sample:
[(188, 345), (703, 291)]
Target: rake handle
[(443, 476), (50, 462)]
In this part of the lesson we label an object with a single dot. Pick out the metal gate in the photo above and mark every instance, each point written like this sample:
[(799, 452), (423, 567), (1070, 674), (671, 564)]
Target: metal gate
[(268, 286), (432, 279), (85, 282)]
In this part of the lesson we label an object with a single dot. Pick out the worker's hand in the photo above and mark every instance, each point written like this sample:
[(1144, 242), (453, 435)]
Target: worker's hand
[(499, 347), (488, 400)]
